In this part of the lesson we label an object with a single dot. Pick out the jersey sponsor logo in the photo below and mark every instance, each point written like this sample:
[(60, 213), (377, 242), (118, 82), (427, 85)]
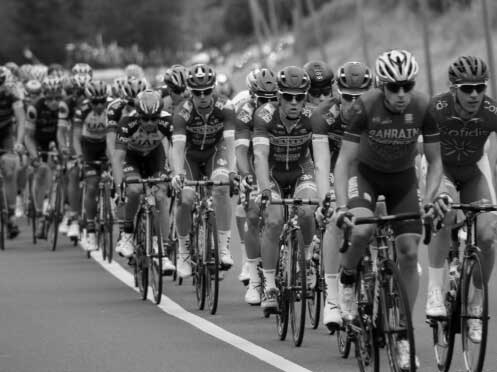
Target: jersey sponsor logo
[(408, 118), (489, 106), (353, 188), (244, 116), (291, 141), (441, 104), (306, 112), (211, 128), (401, 134), (220, 105), (466, 131), (266, 112)]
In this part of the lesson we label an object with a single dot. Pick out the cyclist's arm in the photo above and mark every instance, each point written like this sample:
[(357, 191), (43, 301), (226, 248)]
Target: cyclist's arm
[(117, 165), (20, 119), (63, 126), (242, 140), (242, 159), (29, 139), (261, 164), (435, 169), (346, 158), (77, 135), (229, 135), (322, 160), (179, 142)]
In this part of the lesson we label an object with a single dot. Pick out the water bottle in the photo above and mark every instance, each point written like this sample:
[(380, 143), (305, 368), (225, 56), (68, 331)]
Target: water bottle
[(454, 275)]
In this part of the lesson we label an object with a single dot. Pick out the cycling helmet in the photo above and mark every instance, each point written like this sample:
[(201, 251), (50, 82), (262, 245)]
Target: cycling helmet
[(320, 74), (80, 80), (82, 68), (132, 87), (25, 72), (468, 69), (33, 87), (250, 79), (56, 70), (354, 78), (175, 77), (134, 71), (293, 79), (396, 66), (265, 83), (201, 76), (96, 89), (14, 68), (4, 74), (116, 87), (51, 86), (39, 72), (149, 103)]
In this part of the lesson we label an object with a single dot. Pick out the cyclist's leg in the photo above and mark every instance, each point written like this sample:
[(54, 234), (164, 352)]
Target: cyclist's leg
[(241, 223), (253, 249), (217, 171), (9, 171), (22, 180), (74, 199)]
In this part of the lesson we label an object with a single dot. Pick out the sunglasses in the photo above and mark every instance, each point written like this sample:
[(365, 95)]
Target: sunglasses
[(98, 101), (53, 98), (317, 92), (395, 87), (289, 97), (349, 97), (469, 88), (262, 99), (202, 92), (177, 90)]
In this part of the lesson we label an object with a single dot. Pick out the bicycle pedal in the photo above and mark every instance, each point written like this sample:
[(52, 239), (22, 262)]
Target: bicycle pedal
[(167, 272), (245, 282), (332, 328)]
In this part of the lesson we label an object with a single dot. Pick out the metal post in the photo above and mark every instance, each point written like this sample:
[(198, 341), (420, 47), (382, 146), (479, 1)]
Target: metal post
[(426, 45), (488, 41)]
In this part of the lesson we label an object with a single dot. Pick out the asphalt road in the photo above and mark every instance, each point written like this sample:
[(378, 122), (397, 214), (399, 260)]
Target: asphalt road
[(62, 312)]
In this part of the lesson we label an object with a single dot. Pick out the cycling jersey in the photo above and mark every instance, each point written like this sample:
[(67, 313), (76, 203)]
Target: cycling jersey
[(463, 141), (73, 102), (387, 140), (203, 134), (115, 111), (132, 136), (244, 124), (328, 126), (240, 99), (43, 121), (93, 125), (288, 147), (10, 98)]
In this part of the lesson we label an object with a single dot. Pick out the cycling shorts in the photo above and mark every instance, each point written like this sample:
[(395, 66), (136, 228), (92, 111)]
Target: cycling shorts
[(286, 183), (400, 190), (93, 151), (207, 163), (6, 139), (137, 166)]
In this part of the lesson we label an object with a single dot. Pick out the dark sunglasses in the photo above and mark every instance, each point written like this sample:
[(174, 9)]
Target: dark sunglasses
[(98, 101), (317, 92), (349, 97), (289, 97), (262, 99), (53, 98), (469, 88), (204, 92), (176, 90), (395, 87)]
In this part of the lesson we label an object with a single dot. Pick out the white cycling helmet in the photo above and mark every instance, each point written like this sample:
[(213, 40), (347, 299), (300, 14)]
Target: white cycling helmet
[(395, 66)]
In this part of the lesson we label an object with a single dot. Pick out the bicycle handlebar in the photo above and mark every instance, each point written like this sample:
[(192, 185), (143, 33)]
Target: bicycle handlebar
[(475, 207), (149, 181), (295, 201), (206, 183)]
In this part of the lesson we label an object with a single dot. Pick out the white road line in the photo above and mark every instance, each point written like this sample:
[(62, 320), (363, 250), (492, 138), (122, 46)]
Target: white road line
[(172, 308)]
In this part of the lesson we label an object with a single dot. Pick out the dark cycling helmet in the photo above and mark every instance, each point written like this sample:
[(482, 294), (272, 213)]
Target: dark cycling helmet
[(96, 89), (396, 66), (354, 78), (149, 103), (175, 78), (293, 79), (132, 87), (117, 86), (33, 87), (201, 76), (265, 83), (468, 69), (320, 74), (82, 68), (51, 86)]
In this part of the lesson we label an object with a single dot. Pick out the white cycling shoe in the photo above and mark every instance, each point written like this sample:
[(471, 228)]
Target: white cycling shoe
[(73, 231), (91, 243), (253, 294), (332, 318), (435, 305), (183, 265), (244, 275), (125, 246)]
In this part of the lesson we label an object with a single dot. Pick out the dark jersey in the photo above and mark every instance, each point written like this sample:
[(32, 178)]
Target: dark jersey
[(42, 120), (287, 147), (115, 111), (387, 140), (201, 133), (132, 136), (10, 97), (463, 141)]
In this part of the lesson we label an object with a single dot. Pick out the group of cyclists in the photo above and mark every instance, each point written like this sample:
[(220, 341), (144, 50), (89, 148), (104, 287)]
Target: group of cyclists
[(301, 132)]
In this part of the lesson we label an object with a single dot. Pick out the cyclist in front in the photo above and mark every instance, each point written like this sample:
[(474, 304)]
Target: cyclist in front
[(466, 117), (175, 80), (89, 141), (203, 145), (42, 129), (142, 143), (329, 120), (322, 79), (11, 108), (283, 165), (377, 158), (264, 89)]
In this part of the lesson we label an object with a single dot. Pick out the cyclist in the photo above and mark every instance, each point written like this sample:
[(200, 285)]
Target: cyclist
[(466, 116), (203, 144), (41, 132), (322, 79), (134, 71), (116, 87), (89, 141), (264, 89), (329, 120), (283, 165), (245, 95), (11, 108), (377, 157), (143, 139), (175, 80)]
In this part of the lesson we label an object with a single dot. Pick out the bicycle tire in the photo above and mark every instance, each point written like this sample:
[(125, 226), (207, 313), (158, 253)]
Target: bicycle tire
[(211, 263), (141, 262), (343, 342), (173, 244), (314, 296), (282, 284), (3, 213), (155, 261), (32, 209), (393, 302), (100, 225), (108, 224), (198, 269), (55, 217), (472, 268), (298, 285)]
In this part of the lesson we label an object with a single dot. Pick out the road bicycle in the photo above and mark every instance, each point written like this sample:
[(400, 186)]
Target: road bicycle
[(105, 218), (464, 277)]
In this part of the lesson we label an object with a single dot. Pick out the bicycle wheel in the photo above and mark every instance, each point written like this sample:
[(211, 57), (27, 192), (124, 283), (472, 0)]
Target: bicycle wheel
[(298, 287), (3, 213), (108, 224), (141, 261), (396, 316), (314, 295), (474, 313), (282, 283), (155, 241), (211, 263), (366, 348), (32, 209), (198, 269), (100, 225), (54, 218), (172, 244)]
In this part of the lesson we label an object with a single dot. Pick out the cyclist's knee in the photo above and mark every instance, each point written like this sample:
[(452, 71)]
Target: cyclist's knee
[(133, 190), (161, 194), (487, 232), (187, 197), (273, 221), (9, 165), (407, 249)]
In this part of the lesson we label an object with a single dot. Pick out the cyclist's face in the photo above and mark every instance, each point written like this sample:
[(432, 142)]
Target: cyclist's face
[(470, 99), (202, 98), (346, 103), (52, 102), (292, 104), (398, 100)]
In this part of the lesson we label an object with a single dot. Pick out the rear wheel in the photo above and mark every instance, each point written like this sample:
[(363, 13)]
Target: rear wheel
[(157, 250), (211, 263), (3, 213), (314, 295), (108, 224), (198, 269), (298, 287), (56, 198), (141, 261), (282, 282)]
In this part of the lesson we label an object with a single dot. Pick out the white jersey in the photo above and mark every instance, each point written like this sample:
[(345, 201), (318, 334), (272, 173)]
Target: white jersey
[(240, 98)]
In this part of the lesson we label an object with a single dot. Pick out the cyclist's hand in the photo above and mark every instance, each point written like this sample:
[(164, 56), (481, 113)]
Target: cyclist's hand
[(234, 183), (177, 182), (246, 184), (321, 215), (35, 162), (441, 204), (264, 197), (18, 148), (344, 218)]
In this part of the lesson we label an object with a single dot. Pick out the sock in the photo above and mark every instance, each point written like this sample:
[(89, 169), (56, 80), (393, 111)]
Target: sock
[(269, 278), (476, 299), (308, 252), (435, 277), (224, 239), (244, 252), (183, 242), (253, 272), (331, 281)]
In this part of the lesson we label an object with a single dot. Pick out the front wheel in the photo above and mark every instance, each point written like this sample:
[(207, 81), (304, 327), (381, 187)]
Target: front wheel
[(155, 259), (314, 295), (211, 263), (56, 212), (141, 261), (198, 264), (298, 287)]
